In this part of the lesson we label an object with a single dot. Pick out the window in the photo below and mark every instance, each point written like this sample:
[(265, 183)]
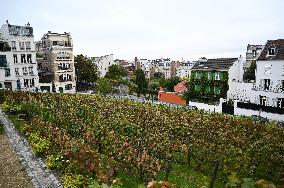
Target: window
[(26, 82), (197, 75), (22, 45), (217, 90), (15, 58), (68, 87), (217, 76), (197, 87), (54, 42), (267, 69), (28, 46), (29, 58), (254, 53), (266, 84), (263, 100), (31, 71), (207, 89), (209, 75), (32, 82), (17, 72), (13, 45), (282, 84), (7, 72), (271, 51), (25, 70), (23, 58), (280, 102)]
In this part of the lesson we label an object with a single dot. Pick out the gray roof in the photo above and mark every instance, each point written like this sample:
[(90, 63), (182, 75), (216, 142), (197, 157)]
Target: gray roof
[(278, 45), (220, 64)]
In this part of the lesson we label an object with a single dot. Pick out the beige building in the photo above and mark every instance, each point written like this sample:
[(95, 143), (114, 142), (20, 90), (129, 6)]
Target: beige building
[(56, 67)]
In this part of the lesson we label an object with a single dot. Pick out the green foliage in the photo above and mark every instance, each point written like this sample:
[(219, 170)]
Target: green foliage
[(55, 161), (207, 86), (250, 72), (39, 145), (86, 72), (73, 180), (170, 83), (159, 75), (153, 89), (104, 86), (100, 138), (141, 82), (116, 72)]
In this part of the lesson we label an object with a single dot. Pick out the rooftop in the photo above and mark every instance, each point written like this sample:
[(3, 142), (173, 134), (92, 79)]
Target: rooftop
[(221, 64), (273, 50)]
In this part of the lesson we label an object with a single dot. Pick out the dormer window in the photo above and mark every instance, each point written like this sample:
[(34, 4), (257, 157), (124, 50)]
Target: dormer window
[(254, 53), (271, 51)]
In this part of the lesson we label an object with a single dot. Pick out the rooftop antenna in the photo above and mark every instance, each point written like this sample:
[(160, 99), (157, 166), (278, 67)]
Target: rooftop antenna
[(7, 21)]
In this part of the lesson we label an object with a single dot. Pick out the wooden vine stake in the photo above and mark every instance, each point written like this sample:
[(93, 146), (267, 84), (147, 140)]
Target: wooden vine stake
[(214, 173)]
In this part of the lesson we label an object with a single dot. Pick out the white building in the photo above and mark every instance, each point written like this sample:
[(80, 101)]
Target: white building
[(253, 52), (103, 63), (18, 66), (57, 65), (268, 89), (184, 70), (164, 66)]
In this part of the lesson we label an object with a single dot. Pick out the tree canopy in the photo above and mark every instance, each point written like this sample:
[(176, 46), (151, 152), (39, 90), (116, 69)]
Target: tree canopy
[(170, 83), (86, 71), (141, 82), (116, 72), (250, 72), (104, 86)]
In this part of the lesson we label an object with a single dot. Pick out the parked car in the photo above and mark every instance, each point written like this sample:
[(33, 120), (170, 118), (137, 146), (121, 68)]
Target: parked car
[(192, 108), (259, 118)]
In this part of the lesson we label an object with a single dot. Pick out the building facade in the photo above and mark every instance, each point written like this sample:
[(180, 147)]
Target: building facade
[(268, 88), (56, 67), (252, 53), (210, 79), (183, 71), (103, 63), (18, 66)]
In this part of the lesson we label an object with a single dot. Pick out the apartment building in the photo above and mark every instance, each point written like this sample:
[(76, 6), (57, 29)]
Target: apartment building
[(103, 63), (56, 67), (18, 66), (184, 70)]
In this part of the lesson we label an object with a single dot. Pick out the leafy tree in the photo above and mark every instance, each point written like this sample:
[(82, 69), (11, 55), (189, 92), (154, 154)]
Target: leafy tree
[(153, 89), (104, 86), (170, 83), (158, 75), (141, 82), (116, 72), (86, 72), (250, 72)]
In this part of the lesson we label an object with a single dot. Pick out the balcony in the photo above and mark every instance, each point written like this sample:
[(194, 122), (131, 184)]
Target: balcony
[(14, 48), (28, 49), (269, 88), (22, 48), (25, 73)]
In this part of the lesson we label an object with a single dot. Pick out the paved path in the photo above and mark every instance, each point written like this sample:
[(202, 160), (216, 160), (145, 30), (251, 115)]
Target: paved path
[(41, 177)]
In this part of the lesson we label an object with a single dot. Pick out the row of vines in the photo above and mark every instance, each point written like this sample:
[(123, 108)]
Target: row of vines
[(98, 137)]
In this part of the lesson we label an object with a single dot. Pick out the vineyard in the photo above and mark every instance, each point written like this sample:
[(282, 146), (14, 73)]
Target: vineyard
[(93, 139)]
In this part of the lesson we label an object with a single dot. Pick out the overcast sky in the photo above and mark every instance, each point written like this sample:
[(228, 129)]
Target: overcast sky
[(177, 29)]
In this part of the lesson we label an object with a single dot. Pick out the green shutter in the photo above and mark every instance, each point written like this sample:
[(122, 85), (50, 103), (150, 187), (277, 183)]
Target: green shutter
[(221, 75), (197, 87), (207, 89), (217, 90)]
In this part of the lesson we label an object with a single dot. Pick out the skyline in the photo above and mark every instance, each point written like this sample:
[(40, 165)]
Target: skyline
[(146, 29)]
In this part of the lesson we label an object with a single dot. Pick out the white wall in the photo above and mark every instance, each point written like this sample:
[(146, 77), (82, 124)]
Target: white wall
[(104, 63), (246, 112), (207, 107)]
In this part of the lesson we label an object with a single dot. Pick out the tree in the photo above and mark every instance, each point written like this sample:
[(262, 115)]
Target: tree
[(250, 72), (153, 89), (116, 72), (158, 75), (104, 86), (141, 82), (86, 72), (170, 83)]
